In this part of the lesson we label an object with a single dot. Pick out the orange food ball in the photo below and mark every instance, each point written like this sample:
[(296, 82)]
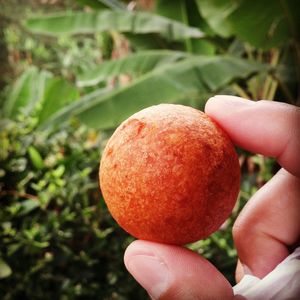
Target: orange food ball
[(169, 174)]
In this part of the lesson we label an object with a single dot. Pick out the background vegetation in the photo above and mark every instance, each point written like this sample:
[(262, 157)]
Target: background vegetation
[(71, 71)]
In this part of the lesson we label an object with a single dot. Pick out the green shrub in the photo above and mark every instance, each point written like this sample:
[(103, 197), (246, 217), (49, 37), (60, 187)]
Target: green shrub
[(57, 239)]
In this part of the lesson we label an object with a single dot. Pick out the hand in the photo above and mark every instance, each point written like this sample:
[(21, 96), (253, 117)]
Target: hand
[(266, 228)]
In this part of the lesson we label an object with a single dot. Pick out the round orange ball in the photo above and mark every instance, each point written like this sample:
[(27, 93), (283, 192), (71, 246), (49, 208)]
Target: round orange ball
[(169, 174)]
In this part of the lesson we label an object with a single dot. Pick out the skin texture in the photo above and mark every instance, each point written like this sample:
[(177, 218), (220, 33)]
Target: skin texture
[(268, 227), (169, 174)]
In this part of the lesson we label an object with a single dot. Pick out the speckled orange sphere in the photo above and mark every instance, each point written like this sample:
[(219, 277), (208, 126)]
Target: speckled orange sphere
[(169, 174)]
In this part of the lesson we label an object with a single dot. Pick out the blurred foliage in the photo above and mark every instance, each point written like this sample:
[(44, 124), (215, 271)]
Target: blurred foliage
[(57, 239), (71, 71)]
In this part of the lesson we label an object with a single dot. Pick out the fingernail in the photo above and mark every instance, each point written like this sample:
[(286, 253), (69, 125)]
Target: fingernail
[(151, 273)]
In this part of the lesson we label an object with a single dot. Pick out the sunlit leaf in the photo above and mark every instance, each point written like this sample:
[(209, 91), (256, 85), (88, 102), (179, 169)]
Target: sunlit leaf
[(136, 63), (5, 269), (122, 21), (57, 94), (27, 206), (35, 157), (180, 82), (26, 92)]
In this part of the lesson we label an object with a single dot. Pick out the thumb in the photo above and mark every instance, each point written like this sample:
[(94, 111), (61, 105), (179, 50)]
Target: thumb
[(173, 272)]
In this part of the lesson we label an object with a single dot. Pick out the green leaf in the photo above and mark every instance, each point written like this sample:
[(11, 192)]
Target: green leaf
[(72, 109), (216, 14), (39, 244), (40, 91), (35, 158), (5, 269), (260, 24), (167, 9), (200, 46), (180, 82), (137, 63), (12, 248), (59, 171), (146, 41), (26, 92), (57, 94), (114, 4), (256, 22), (186, 12), (91, 3), (27, 206), (122, 21), (100, 4)]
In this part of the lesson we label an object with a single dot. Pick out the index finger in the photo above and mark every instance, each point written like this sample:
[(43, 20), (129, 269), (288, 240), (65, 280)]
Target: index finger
[(265, 127)]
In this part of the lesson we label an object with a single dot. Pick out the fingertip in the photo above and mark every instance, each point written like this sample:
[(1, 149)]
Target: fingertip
[(135, 248), (148, 269), (218, 103), (265, 127), (162, 269)]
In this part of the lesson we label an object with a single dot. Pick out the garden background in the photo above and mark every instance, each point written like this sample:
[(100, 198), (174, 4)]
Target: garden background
[(71, 71)]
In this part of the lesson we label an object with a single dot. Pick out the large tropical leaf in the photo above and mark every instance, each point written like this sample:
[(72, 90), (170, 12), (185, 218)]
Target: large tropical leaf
[(26, 92), (258, 22), (57, 94), (100, 4), (75, 108), (147, 41), (134, 64), (185, 11), (175, 83), (39, 93), (122, 21), (216, 13)]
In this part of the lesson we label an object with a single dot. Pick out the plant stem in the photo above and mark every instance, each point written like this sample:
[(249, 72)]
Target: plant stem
[(270, 85), (240, 91), (17, 194), (187, 41), (272, 90), (287, 93)]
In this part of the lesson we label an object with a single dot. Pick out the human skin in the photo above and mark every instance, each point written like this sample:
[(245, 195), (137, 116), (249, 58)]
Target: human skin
[(267, 228)]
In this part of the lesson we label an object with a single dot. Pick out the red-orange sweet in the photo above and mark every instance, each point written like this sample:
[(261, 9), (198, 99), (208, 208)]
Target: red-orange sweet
[(169, 174)]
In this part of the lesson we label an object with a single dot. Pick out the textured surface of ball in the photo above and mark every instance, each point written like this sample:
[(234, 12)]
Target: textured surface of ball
[(169, 174)]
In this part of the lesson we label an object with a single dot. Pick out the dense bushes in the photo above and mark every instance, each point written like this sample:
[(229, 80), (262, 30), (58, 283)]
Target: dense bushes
[(56, 235)]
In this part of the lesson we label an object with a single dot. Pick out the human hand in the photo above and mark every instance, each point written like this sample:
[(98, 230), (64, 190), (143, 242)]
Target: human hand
[(265, 230)]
